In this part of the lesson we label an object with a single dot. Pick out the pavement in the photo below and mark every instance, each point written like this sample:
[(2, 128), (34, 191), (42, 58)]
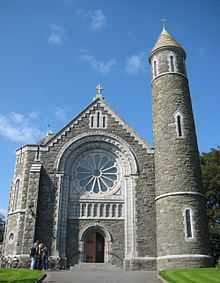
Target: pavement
[(82, 276)]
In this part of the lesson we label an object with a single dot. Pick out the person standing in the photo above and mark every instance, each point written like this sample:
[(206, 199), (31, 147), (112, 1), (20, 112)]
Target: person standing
[(33, 255), (45, 257)]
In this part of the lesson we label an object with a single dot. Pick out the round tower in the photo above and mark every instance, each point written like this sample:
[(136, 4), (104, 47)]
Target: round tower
[(182, 231)]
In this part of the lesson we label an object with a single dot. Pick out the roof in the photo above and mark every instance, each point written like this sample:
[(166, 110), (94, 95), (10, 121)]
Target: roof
[(98, 100), (166, 39)]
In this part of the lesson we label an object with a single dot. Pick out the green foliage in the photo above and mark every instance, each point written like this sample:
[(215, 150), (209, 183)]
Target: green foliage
[(210, 163), (194, 275), (19, 275)]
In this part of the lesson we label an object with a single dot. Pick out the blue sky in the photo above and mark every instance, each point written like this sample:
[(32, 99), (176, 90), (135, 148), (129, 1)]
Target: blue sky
[(54, 52)]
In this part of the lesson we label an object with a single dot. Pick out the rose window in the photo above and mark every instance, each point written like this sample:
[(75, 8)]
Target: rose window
[(97, 172)]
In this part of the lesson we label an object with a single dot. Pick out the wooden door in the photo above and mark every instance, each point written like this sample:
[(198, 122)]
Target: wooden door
[(90, 247)]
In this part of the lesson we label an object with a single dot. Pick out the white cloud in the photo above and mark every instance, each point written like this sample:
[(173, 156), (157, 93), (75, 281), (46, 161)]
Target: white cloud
[(103, 67), (60, 114), (135, 63), (56, 35), (95, 18), (3, 211), (19, 128)]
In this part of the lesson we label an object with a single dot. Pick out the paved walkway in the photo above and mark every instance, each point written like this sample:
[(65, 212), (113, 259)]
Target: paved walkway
[(102, 277)]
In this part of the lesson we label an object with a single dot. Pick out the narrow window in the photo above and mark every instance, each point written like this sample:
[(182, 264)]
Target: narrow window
[(107, 210), (101, 210), (120, 210), (95, 210), (171, 64), (98, 118), (188, 223), (179, 126), (89, 210), (92, 121), (83, 209), (16, 194), (155, 68), (103, 121), (114, 210)]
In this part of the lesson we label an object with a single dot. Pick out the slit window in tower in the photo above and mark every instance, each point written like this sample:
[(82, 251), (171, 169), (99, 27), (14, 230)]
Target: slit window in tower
[(103, 121), (171, 64), (155, 68), (188, 223), (179, 126)]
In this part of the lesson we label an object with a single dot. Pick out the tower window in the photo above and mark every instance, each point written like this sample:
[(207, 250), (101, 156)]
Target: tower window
[(171, 64), (155, 68), (188, 224), (179, 125)]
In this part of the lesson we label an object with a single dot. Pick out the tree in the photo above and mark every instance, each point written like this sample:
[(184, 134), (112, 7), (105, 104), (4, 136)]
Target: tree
[(210, 163), (2, 227)]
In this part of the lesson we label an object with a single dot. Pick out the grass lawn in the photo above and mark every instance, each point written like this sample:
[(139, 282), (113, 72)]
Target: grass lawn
[(194, 275), (19, 275)]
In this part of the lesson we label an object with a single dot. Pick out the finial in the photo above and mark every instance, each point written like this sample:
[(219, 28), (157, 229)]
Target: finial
[(99, 90), (49, 131), (163, 21)]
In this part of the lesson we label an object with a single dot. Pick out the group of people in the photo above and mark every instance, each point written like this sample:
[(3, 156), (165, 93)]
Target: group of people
[(39, 256), (9, 262)]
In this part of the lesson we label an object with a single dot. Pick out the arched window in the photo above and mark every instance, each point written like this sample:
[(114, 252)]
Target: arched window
[(188, 223), (107, 214), (101, 212), (179, 124), (98, 120), (120, 210), (114, 210), (16, 195), (95, 209), (155, 68), (89, 210), (171, 64), (83, 213)]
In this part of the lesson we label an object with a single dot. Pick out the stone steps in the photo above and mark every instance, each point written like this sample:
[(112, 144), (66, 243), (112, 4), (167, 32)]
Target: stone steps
[(94, 267)]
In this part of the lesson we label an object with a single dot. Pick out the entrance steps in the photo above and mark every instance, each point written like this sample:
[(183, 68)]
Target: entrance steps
[(84, 266)]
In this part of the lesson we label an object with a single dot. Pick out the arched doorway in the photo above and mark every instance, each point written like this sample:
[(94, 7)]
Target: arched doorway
[(94, 247)]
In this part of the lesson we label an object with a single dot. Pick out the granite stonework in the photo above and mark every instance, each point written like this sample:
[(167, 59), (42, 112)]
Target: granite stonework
[(141, 217)]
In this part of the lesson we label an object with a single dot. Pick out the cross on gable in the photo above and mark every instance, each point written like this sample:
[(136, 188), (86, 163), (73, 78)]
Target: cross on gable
[(99, 89)]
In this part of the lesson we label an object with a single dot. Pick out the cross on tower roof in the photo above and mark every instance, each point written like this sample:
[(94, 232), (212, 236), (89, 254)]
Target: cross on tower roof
[(99, 89), (163, 21)]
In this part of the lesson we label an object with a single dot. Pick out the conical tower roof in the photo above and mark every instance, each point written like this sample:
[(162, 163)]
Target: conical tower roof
[(165, 40)]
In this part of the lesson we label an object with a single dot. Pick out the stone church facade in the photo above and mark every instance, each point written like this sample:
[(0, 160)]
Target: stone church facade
[(96, 192)]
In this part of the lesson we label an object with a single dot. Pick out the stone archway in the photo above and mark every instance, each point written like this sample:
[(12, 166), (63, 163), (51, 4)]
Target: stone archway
[(95, 244)]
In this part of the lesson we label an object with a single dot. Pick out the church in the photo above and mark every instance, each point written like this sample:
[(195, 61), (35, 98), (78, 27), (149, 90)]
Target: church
[(96, 192)]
